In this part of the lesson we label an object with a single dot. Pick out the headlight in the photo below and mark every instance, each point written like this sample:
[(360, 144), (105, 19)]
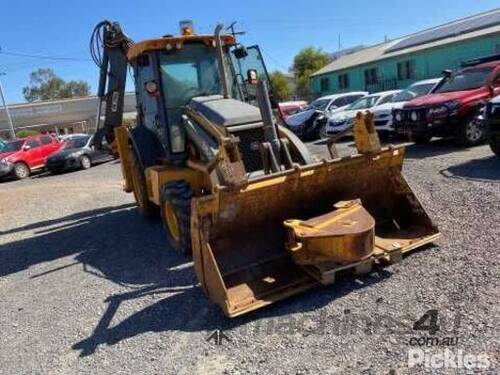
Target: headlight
[(75, 154), (440, 111), (452, 105), (414, 116), (398, 116)]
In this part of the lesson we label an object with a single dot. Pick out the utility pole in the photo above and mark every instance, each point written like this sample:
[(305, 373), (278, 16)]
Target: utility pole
[(9, 118)]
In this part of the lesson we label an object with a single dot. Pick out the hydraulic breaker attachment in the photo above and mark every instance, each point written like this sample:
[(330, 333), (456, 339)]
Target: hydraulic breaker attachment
[(246, 258)]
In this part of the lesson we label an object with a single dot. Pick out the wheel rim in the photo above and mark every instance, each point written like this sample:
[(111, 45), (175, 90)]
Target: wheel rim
[(136, 182), (473, 131), (171, 221), (21, 171), (85, 162)]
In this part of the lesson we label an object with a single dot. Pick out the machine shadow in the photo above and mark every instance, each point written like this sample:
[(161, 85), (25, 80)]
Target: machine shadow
[(436, 147), (102, 241), (485, 169), (191, 311)]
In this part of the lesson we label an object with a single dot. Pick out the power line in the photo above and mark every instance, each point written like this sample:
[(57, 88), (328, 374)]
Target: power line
[(42, 57)]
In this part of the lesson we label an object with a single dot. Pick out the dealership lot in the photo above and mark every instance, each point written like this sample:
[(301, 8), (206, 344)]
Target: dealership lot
[(87, 285)]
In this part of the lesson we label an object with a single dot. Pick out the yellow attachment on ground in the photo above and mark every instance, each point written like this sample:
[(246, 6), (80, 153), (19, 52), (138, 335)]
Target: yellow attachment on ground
[(343, 236)]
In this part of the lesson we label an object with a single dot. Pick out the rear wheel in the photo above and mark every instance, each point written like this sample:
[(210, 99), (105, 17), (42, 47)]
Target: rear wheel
[(21, 171), (471, 132), (144, 205), (85, 162), (175, 204)]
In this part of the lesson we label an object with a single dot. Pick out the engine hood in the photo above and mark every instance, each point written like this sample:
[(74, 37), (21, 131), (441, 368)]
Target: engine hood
[(4, 155), (225, 112), (301, 117), (437, 99)]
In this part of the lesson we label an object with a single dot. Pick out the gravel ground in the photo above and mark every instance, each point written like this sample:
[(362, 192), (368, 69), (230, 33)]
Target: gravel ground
[(88, 286)]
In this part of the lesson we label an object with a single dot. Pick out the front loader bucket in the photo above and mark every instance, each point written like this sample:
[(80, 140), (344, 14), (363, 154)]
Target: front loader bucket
[(239, 237)]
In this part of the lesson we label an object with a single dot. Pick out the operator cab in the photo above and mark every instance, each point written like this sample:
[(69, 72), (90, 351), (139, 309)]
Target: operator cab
[(172, 71)]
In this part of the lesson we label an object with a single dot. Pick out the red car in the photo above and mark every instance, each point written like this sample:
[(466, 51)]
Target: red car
[(22, 156), (452, 107), (288, 109)]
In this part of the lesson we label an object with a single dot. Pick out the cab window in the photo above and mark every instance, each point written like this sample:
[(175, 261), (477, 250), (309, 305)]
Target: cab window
[(33, 143), (45, 140)]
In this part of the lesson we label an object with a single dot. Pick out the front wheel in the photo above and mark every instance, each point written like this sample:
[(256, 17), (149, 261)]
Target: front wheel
[(175, 206), (21, 171), (471, 132), (85, 162)]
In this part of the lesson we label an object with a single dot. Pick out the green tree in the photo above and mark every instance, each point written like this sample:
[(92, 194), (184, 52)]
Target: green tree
[(306, 62), (281, 86), (46, 85)]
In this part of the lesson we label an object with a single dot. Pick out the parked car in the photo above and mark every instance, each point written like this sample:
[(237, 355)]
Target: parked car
[(492, 114), (310, 123), (342, 120), (77, 152), (23, 156), (288, 109), (383, 113), (451, 109)]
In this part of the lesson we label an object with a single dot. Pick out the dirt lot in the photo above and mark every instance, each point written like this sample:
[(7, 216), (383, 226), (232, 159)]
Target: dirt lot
[(88, 286)]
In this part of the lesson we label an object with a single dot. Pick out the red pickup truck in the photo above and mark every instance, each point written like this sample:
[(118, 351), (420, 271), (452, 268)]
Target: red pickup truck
[(452, 107), (22, 156)]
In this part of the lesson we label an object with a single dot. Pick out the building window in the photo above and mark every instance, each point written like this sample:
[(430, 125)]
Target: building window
[(344, 81), (371, 76), (406, 70), (324, 84)]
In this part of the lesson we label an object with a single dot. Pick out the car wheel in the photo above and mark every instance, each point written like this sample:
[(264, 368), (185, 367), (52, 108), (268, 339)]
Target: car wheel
[(471, 132), (21, 171), (421, 139), (85, 162), (495, 145)]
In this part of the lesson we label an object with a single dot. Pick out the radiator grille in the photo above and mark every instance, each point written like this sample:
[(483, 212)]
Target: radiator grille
[(250, 140)]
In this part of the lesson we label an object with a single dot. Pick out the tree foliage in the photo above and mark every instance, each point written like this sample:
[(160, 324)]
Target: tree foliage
[(306, 62), (281, 86), (46, 85)]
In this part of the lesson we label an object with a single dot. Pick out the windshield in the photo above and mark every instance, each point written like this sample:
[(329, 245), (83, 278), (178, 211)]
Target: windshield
[(186, 73), (13, 146), (363, 103), (413, 92), (319, 104), (468, 79), (75, 142)]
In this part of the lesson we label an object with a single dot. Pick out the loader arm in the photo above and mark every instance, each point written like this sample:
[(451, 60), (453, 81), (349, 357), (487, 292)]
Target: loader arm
[(109, 46)]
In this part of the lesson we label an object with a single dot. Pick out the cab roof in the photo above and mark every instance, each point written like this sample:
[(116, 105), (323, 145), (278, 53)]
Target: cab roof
[(161, 43)]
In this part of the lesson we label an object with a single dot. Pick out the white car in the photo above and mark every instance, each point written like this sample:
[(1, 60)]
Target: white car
[(305, 124), (383, 113), (340, 121)]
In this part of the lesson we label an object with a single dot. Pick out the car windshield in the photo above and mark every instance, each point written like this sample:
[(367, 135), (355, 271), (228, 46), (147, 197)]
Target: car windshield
[(76, 142), (413, 92), (319, 104), (13, 146), (468, 79), (363, 103)]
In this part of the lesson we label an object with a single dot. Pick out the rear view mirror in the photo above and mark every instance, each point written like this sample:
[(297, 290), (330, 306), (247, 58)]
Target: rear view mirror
[(447, 72), (26, 147), (240, 52)]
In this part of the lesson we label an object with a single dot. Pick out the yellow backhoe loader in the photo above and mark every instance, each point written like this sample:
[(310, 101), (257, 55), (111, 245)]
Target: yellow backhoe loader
[(262, 218)]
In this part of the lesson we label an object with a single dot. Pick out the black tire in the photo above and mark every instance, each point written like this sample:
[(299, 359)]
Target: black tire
[(175, 204), (495, 144), (421, 139), (85, 162), (145, 207), (471, 132), (21, 170)]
